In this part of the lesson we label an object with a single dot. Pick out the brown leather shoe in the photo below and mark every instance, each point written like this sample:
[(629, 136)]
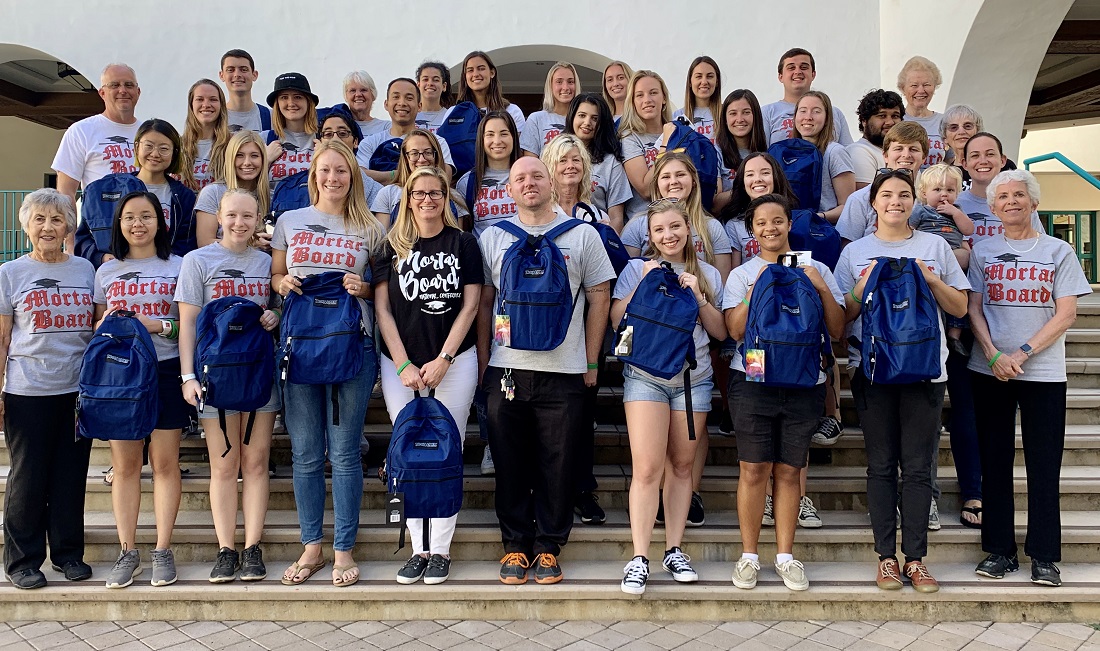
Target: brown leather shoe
[(889, 575), (920, 577)]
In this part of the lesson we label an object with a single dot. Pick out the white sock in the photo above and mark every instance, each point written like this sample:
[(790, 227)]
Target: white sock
[(754, 557), (783, 558)]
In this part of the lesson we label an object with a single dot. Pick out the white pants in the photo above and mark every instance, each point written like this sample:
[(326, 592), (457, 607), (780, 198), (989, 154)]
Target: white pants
[(456, 392)]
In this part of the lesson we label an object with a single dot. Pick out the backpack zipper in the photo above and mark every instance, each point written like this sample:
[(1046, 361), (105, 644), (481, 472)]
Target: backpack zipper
[(661, 323)]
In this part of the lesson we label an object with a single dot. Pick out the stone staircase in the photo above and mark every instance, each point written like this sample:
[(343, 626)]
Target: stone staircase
[(839, 556)]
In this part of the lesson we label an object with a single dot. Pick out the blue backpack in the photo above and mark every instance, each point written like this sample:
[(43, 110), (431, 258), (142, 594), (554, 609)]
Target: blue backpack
[(234, 359), (97, 212), (118, 397), (802, 164), (322, 335), (660, 320), (424, 460), (534, 288), (787, 321), (616, 250), (900, 324), (703, 155), (386, 156), (812, 232), (291, 193), (459, 129)]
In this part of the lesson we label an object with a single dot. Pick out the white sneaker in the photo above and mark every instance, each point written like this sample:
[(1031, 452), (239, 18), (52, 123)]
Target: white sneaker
[(793, 574), (636, 573), (807, 514), (934, 517), (487, 467), (745, 572), (769, 512)]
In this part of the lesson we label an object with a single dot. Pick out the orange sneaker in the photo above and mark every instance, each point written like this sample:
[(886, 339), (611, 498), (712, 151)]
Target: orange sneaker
[(889, 575), (920, 577), (513, 568), (547, 570)]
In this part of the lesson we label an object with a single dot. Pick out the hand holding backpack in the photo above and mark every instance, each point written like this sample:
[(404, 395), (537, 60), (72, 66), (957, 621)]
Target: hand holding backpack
[(118, 389), (900, 323)]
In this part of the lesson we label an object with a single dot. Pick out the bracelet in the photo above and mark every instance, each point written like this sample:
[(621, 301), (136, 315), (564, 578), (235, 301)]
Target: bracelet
[(745, 301), (175, 333), (994, 360), (402, 367), (277, 311), (702, 303), (592, 366), (852, 293)]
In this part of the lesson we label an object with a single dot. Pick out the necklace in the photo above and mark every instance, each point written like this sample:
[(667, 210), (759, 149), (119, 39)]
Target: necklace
[(1033, 245)]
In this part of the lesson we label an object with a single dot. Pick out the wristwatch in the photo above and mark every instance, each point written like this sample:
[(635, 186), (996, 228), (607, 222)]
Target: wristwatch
[(450, 358), (1027, 350)]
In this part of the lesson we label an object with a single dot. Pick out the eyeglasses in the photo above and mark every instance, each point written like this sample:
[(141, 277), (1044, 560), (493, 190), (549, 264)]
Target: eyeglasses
[(883, 171), (115, 85), (148, 148), (421, 195), (130, 220), (339, 133), (427, 154)]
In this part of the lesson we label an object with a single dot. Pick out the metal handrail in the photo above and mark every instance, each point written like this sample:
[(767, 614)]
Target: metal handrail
[(1074, 167)]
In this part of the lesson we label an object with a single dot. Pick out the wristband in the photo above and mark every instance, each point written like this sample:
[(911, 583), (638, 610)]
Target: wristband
[(592, 366), (402, 367), (702, 303), (745, 301), (994, 360), (852, 293), (277, 311), (165, 327), (175, 333), (188, 377)]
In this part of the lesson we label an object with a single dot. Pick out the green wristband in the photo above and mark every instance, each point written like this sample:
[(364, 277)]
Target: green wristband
[(402, 367), (852, 293), (592, 366), (994, 360), (745, 301)]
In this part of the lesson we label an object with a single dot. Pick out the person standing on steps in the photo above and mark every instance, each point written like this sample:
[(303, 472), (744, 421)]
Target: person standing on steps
[(797, 71), (616, 81), (402, 103), (238, 73), (878, 112), (702, 97), (562, 85), (1026, 286), (293, 126), (535, 398), (918, 80), (589, 119), (360, 91), (205, 135), (436, 97), (479, 84)]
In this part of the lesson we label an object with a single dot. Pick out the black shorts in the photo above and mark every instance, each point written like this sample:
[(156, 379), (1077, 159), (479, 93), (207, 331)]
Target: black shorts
[(774, 424), (174, 410)]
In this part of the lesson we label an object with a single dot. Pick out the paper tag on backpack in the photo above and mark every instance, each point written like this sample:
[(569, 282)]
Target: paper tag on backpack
[(395, 510), (626, 342), (502, 330), (754, 365)]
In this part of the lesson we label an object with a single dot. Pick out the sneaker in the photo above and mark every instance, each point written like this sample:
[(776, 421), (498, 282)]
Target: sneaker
[(547, 570), (996, 566), (677, 564), (636, 573), (920, 577), (414, 569), (271, 468), (725, 426), (889, 574), (439, 568), (252, 564), (225, 568), (745, 573), (164, 568), (793, 574), (126, 568), (807, 514), (588, 507), (487, 467), (828, 431), (933, 517), (1045, 573), (376, 390), (696, 518), (74, 570), (769, 512), (513, 568)]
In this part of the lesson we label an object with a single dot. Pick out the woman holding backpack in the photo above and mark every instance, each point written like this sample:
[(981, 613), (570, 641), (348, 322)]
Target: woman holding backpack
[(757, 175), (562, 85), (900, 409), (142, 279), (427, 340), (589, 119), (337, 233), (659, 434), (813, 122), (231, 267)]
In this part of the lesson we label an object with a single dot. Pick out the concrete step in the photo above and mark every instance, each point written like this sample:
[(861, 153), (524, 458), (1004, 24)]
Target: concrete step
[(1083, 342), (590, 590), (1088, 315)]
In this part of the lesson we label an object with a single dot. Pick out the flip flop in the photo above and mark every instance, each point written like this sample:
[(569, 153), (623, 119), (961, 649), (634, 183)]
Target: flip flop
[(340, 569), (974, 510), (298, 568)]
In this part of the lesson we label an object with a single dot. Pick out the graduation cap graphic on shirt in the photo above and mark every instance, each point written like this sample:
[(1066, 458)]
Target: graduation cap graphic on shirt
[(122, 140), (48, 283), (130, 275), (488, 183), (697, 119), (317, 228), (289, 146), (557, 126), (421, 123), (233, 273), (1009, 257)]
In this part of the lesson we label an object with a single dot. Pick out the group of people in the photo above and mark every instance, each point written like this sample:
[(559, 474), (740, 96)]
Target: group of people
[(413, 235)]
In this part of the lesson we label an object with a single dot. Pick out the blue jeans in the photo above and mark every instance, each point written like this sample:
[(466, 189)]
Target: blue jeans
[(309, 421)]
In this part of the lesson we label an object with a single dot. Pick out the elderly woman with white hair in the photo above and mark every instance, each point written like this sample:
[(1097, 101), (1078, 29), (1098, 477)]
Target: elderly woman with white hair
[(1026, 285), (46, 319), (360, 91), (918, 80)]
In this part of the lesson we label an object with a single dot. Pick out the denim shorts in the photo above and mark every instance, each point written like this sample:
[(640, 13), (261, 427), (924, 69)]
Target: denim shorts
[(275, 403), (639, 388)]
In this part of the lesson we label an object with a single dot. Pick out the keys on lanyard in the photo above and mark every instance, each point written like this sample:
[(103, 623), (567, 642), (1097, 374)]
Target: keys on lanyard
[(507, 385)]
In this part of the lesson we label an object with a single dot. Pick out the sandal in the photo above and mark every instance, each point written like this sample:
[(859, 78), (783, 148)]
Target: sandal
[(339, 580), (296, 577), (976, 511)]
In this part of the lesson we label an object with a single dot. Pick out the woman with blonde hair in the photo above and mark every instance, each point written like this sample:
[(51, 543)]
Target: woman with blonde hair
[(646, 121), (616, 82), (205, 134), (336, 232), (427, 338), (293, 126), (419, 149), (243, 164), (562, 85)]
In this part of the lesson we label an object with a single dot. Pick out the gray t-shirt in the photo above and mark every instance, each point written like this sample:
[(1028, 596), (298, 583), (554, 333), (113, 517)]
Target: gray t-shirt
[(933, 250), (636, 234), (836, 162), (372, 142), (245, 120), (588, 266), (937, 149), (857, 218), (727, 175), (52, 299), (201, 169), (541, 128), (636, 145), (164, 194), (744, 277), (296, 157), (610, 187), (629, 281), (703, 121), (741, 239), (779, 123), (210, 198), (1019, 285), (214, 272), (371, 127), (144, 286), (867, 160), (986, 224), (431, 120), (492, 202)]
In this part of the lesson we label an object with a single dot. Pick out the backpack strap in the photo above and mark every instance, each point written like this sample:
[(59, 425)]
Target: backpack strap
[(248, 427), (512, 228), (561, 228), (687, 396), (225, 433), (334, 390), (588, 213), (471, 194)]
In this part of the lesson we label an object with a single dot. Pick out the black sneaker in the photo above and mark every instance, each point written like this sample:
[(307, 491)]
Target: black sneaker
[(439, 568), (695, 511), (513, 568), (635, 575), (1045, 573), (678, 564), (412, 570), (828, 431), (29, 579), (547, 569), (252, 564), (660, 517), (74, 570), (588, 507), (725, 427), (225, 568), (996, 566)]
